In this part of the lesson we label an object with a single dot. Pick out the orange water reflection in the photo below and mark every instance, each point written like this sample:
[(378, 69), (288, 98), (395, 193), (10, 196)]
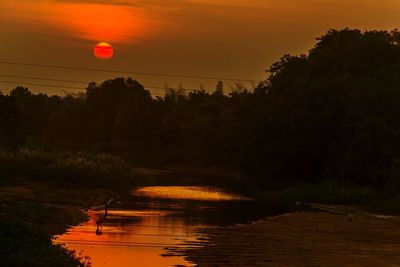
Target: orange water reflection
[(130, 238), (188, 192), (138, 231)]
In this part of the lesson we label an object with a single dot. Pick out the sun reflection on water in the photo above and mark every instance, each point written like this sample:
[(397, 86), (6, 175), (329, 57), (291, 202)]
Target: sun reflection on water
[(129, 238), (143, 231), (187, 192)]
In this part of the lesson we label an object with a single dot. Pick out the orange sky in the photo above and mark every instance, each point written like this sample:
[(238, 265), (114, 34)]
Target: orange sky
[(228, 38)]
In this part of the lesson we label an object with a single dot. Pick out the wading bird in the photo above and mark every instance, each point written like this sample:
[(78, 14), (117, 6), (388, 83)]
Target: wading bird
[(102, 217)]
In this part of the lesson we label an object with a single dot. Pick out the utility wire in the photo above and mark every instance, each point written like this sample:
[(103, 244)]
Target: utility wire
[(73, 81), (78, 233), (161, 226), (125, 244), (113, 245), (70, 81), (53, 86), (40, 84), (112, 242), (43, 79), (127, 72)]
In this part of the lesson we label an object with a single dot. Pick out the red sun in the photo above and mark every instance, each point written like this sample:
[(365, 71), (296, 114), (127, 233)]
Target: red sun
[(103, 50)]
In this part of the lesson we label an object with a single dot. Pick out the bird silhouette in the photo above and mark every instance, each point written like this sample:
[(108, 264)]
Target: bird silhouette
[(101, 218)]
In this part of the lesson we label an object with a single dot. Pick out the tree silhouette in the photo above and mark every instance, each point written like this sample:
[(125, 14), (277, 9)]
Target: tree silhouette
[(10, 122), (333, 113)]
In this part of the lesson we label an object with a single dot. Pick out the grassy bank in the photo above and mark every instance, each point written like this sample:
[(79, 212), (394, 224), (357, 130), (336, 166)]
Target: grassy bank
[(77, 168), (42, 194), (25, 231), (333, 192)]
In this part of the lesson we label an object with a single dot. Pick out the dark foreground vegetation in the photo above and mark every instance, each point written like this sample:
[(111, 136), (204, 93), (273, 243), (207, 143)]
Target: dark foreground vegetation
[(325, 125), (26, 243), (81, 169), (42, 194)]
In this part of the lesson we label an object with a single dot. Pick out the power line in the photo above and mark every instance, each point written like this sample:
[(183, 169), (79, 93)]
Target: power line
[(113, 245), (72, 81), (53, 86), (40, 84), (128, 72), (125, 244), (113, 242), (165, 226), (78, 233), (43, 79)]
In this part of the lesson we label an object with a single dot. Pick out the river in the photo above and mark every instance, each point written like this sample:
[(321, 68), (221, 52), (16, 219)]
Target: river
[(146, 229)]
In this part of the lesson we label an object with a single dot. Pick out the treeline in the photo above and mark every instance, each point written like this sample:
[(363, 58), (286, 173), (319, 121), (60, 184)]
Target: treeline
[(331, 114)]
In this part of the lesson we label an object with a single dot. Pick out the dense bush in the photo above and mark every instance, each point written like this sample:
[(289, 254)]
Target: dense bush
[(80, 168)]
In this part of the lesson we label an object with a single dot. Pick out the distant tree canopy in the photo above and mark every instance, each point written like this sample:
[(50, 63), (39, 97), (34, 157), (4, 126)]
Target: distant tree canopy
[(331, 114), (10, 122)]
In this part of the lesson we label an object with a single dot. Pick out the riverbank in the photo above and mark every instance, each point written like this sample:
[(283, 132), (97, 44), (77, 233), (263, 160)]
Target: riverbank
[(63, 186), (31, 213), (340, 236), (42, 194)]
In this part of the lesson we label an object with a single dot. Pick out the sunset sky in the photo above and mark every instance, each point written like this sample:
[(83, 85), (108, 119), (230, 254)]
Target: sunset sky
[(218, 38)]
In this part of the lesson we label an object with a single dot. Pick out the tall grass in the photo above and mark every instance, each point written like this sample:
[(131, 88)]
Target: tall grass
[(80, 168)]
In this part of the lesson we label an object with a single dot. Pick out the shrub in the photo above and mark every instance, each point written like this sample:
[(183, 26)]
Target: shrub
[(80, 168)]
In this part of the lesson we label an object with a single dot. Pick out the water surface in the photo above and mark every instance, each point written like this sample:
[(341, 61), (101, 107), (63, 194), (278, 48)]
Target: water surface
[(140, 230), (188, 193)]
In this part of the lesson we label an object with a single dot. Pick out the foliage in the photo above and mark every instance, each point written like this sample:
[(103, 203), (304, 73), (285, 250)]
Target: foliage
[(24, 244), (74, 168), (332, 114), (10, 122)]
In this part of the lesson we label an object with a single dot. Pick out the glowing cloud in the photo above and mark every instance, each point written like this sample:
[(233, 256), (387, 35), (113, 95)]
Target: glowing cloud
[(96, 22)]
